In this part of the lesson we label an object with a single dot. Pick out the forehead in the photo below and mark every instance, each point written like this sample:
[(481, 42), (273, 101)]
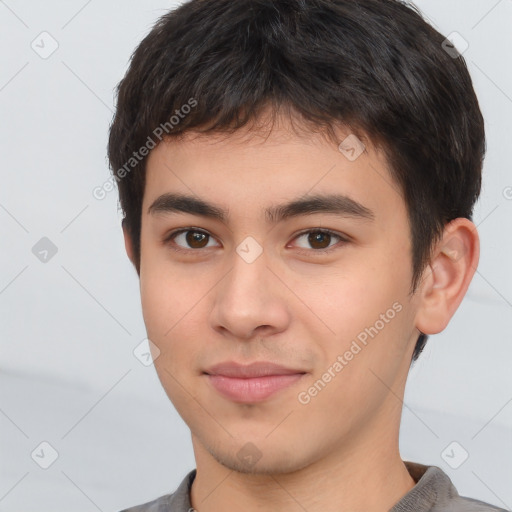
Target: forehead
[(251, 168)]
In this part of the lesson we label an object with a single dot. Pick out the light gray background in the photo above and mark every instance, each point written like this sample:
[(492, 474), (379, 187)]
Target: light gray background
[(69, 326)]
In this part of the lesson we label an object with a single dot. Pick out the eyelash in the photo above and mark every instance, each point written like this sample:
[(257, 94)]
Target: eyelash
[(170, 237)]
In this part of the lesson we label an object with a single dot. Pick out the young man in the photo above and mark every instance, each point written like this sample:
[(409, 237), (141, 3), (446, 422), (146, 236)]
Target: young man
[(297, 180)]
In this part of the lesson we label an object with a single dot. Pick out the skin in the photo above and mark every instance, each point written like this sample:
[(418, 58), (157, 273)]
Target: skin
[(292, 307)]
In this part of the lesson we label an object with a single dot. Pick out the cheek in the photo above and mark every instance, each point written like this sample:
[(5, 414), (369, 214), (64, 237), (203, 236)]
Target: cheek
[(171, 306), (157, 304), (166, 294), (341, 303), (365, 307)]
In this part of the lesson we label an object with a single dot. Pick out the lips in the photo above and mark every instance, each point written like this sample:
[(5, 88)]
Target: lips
[(251, 383), (257, 369)]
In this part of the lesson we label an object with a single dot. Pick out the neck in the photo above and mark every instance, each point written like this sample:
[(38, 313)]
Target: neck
[(369, 476)]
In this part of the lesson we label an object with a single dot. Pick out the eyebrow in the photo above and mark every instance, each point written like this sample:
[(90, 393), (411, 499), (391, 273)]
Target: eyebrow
[(331, 203)]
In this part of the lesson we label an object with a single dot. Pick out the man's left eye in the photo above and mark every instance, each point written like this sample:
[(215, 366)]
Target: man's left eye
[(319, 239)]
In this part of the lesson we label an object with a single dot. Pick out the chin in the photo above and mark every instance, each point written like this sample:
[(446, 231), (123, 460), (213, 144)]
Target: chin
[(250, 460)]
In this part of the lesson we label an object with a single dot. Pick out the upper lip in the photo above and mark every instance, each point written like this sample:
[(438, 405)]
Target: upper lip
[(256, 369)]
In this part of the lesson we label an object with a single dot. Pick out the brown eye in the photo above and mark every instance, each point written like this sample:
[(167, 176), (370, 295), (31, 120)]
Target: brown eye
[(196, 239), (189, 240), (319, 239)]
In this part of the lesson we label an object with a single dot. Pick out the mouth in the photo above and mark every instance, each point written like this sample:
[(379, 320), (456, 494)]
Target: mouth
[(251, 383)]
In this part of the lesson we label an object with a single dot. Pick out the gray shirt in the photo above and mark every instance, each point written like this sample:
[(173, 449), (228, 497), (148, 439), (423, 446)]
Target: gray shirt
[(433, 492)]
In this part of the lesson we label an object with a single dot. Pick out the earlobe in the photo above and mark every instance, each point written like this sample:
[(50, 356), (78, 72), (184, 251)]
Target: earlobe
[(448, 276), (128, 244)]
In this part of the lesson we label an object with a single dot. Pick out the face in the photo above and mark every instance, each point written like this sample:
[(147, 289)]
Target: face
[(319, 287)]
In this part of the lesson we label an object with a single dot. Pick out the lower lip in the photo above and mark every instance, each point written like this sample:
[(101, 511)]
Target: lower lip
[(254, 389)]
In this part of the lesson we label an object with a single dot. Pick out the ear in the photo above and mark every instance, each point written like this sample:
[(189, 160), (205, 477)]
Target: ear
[(128, 244), (447, 278)]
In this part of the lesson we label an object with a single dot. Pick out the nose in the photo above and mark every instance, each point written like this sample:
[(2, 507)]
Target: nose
[(250, 300)]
